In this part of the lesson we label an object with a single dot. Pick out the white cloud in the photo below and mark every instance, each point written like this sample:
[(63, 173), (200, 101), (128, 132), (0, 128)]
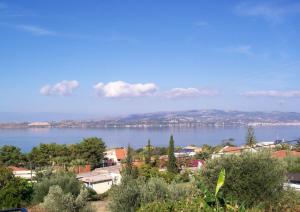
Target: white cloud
[(35, 30), (63, 88), (189, 92), (240, 49), (273, 93), (120, 89), (273, 12)]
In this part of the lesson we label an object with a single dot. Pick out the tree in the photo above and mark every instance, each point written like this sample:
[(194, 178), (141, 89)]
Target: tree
[(49, 154), (14, 191), (297, 145), (250, 138), (56, 200), (126, 196), (228, 142), (171, 166), (11, 155), (251, 178), (148, 154), (66, 181), (92, 150), (130, 170)]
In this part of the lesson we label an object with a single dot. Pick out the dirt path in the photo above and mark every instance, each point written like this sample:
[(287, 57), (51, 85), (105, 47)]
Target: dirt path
[(100, 206)]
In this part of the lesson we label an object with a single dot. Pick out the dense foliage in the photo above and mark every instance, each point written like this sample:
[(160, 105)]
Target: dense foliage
[(11, 155), (66, 181), (89, 150), (171, 165), (14, 191), (57, 200), (252, 178), (293, 164)]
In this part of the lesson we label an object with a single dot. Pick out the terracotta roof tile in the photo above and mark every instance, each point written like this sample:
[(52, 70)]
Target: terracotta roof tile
[(121, 153)]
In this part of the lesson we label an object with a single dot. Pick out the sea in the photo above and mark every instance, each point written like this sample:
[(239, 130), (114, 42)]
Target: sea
[(26, 139)]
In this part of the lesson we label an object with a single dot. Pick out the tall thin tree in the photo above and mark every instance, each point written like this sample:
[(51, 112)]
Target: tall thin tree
[(171, 166), (129, 169), (250, 138), (148, 154)]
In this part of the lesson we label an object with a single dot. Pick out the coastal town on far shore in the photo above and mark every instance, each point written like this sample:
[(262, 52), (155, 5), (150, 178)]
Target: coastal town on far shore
[(182, 119)]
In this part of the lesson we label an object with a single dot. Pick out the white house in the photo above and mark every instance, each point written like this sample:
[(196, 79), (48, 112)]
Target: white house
[(22, 172), (101, 179)]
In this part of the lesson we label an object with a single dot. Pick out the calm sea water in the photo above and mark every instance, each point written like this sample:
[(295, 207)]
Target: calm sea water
[(28, 138)]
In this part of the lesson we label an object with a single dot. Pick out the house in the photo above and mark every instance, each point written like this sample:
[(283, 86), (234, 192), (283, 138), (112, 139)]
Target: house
[(265, 144), (285, 153), (22, 172), (194, 148), (227, 150), (39, 124), (101, 179), (116, 154), (188, 151)]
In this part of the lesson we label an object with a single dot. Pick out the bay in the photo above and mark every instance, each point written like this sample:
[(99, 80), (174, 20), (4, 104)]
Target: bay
[(28, 138)]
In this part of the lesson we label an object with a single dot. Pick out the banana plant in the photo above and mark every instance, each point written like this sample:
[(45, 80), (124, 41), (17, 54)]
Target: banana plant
[(221, 180)]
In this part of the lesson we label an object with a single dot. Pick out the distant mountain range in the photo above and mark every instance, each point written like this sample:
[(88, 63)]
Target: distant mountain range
[(190, 118), (219, 117)]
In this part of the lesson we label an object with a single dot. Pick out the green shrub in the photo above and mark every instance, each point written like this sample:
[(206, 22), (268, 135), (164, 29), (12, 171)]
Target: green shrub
[(57, 201), (126, 196), (251, 178), (66, 181), (14, 191), (293, 164), (289, 201), (156, 189), (178, 191)]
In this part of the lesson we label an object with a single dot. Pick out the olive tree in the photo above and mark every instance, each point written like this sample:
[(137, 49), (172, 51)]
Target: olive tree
[(251, 178)]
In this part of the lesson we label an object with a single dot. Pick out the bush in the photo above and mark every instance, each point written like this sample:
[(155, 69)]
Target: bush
[(66, 181), (289, 201), (14, 191), (251, 178), (293, 164), (156, 189), (56, 200), (126, 196), (178, 191)]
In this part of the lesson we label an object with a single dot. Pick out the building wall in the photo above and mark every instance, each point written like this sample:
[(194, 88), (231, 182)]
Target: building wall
[(101, 187)]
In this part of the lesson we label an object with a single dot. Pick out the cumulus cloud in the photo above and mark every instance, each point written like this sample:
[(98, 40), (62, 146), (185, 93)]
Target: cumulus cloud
[(121, 89), (63, 88), (189, 92), (273, 93)]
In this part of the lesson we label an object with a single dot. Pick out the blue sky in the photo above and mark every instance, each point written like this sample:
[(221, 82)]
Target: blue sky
[(129, 56)]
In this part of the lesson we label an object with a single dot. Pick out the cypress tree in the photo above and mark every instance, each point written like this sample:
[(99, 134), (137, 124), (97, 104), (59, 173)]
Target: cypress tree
[(250, 139), (171, 166), (129, 169), (148, 154)]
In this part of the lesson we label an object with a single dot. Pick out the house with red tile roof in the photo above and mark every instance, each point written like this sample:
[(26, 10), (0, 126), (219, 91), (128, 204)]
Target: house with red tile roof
[(115, 154)]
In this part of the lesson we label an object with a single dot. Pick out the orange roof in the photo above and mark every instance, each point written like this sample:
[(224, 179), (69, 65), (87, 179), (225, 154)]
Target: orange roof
[(231, 149), (15, 169), (121, 153), (285, 153)]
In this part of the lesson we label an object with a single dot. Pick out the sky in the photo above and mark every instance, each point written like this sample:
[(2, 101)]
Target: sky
[(114, 57)]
